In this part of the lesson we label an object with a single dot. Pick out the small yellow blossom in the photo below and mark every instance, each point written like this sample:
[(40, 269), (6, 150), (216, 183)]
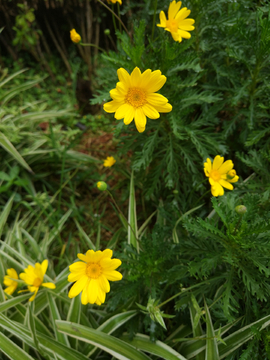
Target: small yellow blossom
[(91, 276), (75, 37), (221, 174), (114, 1), (177, 24), (109, 161), (33, 277), (9, 281), (134, 97)]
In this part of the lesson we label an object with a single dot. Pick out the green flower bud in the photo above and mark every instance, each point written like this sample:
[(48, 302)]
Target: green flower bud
[(107, 32), (241, 210), (175, 192), (101, 185)]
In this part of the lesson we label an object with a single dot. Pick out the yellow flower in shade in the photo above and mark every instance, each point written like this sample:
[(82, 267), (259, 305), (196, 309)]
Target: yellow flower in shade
[(75, 37), (134, 97), (115, 1), (9, 281), (221, 174), (177, 24), (33, 277), (109, 161), (91, 276)]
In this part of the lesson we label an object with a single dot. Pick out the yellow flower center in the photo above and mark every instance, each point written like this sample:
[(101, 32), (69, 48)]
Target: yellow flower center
[(231, 174), (37, 282), (215, 175), (93, 270), (136, 97), (172, 25)]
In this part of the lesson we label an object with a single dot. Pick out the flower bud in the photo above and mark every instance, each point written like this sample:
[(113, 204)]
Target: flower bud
[(175, 192), (231, 174), (241, 210), (101, 185), (74, 36), (107, 32)]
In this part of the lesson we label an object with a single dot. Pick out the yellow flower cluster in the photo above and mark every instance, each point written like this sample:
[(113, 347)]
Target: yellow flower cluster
[(90, 276), (221, 175), (32, 276)]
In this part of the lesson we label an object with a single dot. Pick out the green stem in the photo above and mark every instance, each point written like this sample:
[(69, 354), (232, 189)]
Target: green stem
[(93, 45), (117, 17), (118, 13), (121, 212), (186, 290), (154, 20), (113, 18)]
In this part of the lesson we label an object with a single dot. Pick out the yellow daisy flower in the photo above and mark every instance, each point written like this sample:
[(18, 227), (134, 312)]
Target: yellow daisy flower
[(114, 1), (75, 37), (91, 276), (221, 174), (134, 97), (9, 281), (109, 161), (33, 276), (177, 24)]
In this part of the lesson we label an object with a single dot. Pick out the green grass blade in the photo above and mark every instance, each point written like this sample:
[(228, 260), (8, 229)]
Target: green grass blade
[(74, 315), (13, 302), (5, 213), (62, 338), (117, 348), (112, 324), (48, 345), (2, 83), (211, 341), (197, 331), (132, 216), (6, 144), (13, 351), (88, 241), (157, 348), (239, 337), (45, 245), (142, 228)]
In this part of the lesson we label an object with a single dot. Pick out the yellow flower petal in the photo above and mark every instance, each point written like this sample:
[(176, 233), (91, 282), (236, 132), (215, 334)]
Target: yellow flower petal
[(162, 19), (164, 108), (49, 285), (135, 77), (217, 190), (225, 184), (121, 111), (78, 286), (44, 266), (173, 9), (32, 298), (150, 111), (92, 291), (123, 76), (156, 99), (129, 115), (112, 106), (218, 161), (186, 24), (104, 283), (79, 265), (184, 34), (183, 13), (113, 275), (226, 167), (140, 120)]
